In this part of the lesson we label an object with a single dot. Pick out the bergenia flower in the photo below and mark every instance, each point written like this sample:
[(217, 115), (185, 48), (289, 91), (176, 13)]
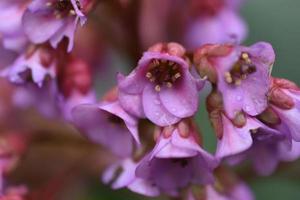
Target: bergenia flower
[(241, 74), (74, 85), (161, 88), (284, 97), (36, 64), (215, 21), (11, 24), (53, 20), (43, 99), (176, 161), (106, 123), (234, 135)]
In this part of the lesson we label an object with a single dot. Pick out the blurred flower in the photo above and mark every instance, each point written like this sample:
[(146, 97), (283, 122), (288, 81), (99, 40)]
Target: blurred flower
[(74, 85), (35, 64), (161, 88), (43, 99), (241, 74), (11, 23), (215, 21), (234, 136), (108, 124), (53, 19)]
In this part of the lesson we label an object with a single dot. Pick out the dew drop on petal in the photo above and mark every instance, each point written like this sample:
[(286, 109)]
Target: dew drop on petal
[(239, 98), (157, 102), (247, 108)]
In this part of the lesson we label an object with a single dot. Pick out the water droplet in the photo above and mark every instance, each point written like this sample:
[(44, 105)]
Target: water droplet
[(157, 102), (173, 109), (157, 113), (239, 98), (247, 108)]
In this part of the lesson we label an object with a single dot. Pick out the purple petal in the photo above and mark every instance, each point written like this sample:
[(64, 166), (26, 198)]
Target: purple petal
[(40, 27), (132, 103), (92, 120), (130, 122), (265, 160), (235, 140), (154, 110), (134, 83), (168, 148), (182, 99)]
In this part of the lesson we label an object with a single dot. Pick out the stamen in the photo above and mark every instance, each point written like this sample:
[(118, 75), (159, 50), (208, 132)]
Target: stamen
[(148, 75), (155, 62), (169, 84), (238, 82), (245, 56), (163, 73), (178, 75), (157, 88), (228, 77), (72, 12)]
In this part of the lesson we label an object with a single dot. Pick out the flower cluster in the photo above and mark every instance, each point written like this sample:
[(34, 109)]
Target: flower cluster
[(147, 120)]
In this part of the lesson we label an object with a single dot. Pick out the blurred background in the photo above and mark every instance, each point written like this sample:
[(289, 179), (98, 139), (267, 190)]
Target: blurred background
[(79, 162)]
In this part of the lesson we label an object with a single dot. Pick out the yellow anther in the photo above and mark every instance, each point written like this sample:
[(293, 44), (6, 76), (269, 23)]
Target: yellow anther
[(148, 75), (177, 75), (72, 12), (169, 84), (238, 82), (157, 88)]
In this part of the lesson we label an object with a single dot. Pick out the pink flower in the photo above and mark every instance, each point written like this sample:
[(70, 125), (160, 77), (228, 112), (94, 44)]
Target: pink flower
[(176, 161), (53, 19), (234, 135), (11, 24), (241, 74), (216, 21), (161, 88)]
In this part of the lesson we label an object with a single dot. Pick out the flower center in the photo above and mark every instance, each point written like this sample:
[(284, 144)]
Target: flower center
[(63, 8), (163, 73), (240, 70)]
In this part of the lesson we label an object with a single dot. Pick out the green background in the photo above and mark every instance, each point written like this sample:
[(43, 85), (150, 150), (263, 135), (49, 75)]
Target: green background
[(277, 22)]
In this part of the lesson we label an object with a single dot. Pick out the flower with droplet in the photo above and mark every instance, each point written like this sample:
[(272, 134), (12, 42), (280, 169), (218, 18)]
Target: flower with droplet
[(36, 64), (215, 21), (53, 20), (234, 135), (161, 88), (267, 150), (108, 124), (241, 74)]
